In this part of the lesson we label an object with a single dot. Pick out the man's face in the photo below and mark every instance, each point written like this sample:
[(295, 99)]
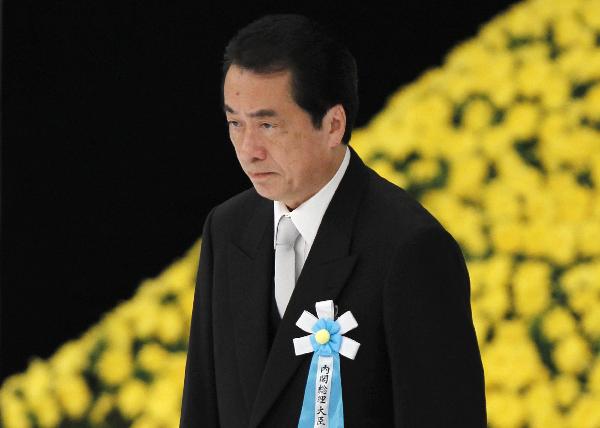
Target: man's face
[(284, 156)]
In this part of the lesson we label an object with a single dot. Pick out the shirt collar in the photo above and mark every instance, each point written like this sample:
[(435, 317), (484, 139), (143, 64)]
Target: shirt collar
[(308, 215)]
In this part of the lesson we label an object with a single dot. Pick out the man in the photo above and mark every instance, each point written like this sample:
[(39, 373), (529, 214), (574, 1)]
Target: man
[(290, 98)]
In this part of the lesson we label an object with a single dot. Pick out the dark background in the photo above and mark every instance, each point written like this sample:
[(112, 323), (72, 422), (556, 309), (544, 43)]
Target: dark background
[(114, 147)]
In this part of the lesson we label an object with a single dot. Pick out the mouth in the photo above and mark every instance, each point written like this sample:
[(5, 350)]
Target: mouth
[(259, 175)]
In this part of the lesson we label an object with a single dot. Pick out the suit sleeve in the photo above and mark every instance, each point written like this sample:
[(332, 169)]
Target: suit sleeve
[(437, 374), (199, 402)]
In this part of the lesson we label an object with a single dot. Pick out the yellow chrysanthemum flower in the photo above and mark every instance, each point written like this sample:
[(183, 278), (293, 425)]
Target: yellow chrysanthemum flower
[(170, 325), (131, 398), (510, 360), (585, 412), (46, 411), (591, 321), (423, 170), (558, 323), (115, 366), (145, 422), (542, 408), (530, 288), (36, 382), (102, 406), (505, 409), (13, 412), (594, 377), (71, 358), (572, 354), (588, 238), (566, 389), (152, 357), (73, 394), (163, 400)]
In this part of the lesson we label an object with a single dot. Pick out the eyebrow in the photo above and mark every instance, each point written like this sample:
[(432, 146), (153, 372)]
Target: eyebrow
[(259, 113)]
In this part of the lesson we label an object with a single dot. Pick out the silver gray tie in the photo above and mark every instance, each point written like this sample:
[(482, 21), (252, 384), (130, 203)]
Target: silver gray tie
[(285, 262)]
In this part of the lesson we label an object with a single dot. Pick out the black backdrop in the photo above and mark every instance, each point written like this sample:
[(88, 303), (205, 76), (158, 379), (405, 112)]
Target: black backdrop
[(114, 146)]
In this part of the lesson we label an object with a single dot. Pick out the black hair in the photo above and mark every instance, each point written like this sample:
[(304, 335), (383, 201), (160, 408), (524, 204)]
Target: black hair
[(323, 71)]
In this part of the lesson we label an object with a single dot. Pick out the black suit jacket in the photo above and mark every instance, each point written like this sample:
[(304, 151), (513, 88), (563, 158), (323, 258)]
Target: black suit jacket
[(379, 254)]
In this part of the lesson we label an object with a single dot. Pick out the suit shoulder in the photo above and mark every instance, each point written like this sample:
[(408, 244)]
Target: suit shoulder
[(232, 213), (405, 224), (235, 203), (394, 205)]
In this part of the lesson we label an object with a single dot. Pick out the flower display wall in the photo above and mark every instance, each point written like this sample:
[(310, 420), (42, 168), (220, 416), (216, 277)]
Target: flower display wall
[(502, 145), (125, 371)]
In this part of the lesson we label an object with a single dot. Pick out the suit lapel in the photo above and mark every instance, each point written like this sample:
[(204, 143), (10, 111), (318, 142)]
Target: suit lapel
[(325, 272), (250, 278)]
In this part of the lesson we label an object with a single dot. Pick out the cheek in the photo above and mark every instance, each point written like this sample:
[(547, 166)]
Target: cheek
[(293, 154)]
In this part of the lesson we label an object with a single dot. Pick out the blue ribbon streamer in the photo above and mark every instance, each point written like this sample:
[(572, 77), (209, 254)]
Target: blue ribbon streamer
[(336, 406)]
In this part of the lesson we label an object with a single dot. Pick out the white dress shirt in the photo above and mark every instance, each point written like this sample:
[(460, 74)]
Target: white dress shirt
[(308, 215)]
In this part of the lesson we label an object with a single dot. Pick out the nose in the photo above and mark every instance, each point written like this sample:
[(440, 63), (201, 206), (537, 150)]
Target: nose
[(251, 146)]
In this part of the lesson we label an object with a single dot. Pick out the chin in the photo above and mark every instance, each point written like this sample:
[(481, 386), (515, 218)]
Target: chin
[(265, 193)]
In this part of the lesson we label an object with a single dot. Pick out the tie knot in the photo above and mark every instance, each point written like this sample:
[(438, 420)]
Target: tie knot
[(286, 232)]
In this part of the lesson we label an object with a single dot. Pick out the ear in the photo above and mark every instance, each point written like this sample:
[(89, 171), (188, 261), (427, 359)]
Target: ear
[(335, 124)]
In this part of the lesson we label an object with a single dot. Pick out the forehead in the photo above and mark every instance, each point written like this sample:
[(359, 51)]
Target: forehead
[(244, 89)]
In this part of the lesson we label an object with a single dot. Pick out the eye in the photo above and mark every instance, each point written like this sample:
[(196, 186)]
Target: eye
[(233, 123), (267, 125)]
